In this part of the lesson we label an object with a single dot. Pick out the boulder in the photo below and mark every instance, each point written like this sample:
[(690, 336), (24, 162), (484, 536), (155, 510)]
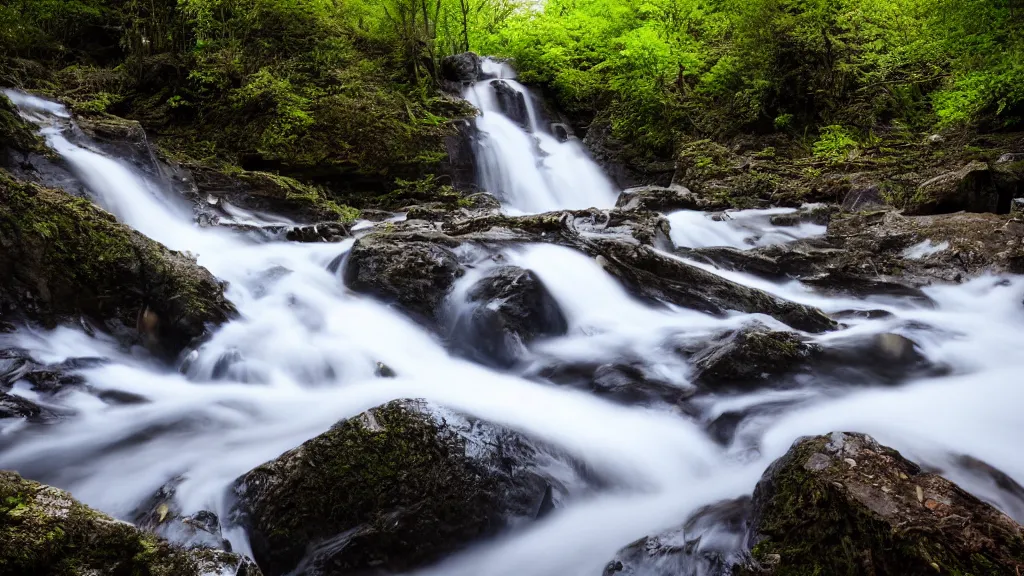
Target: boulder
[(43, 530), (414, 270), (844, 504), (262, 192), (512, 103), (665, 199), (464, 67), (749, 356), (880, 358), (63, 257), (393, 489), (971, 188), (504, 311), (322, 232)]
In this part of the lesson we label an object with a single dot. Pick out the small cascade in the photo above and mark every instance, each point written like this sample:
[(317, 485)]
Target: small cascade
[(519, 159)]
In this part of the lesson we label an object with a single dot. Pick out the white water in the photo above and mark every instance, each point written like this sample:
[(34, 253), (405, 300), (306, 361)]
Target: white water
[(743, 229), (527, 168), (308, 349)]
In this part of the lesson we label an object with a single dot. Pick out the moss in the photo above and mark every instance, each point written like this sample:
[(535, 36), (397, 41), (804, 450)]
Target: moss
[(702, 160), (814, 528), (43, 530), (66, 257), (15, 132), (312, 200), (393, 471)]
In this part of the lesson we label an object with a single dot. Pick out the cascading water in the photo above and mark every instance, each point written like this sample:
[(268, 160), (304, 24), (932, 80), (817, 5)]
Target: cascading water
[(305, 353), (520, 161)]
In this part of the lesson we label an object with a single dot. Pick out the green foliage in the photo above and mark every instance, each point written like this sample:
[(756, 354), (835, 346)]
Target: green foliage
[(659, 69), (835, 144)]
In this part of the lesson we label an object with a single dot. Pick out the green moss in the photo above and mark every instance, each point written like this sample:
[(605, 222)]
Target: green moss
[(368, 471), (15, 132), (814, 530), (66, 257), (48, 532)]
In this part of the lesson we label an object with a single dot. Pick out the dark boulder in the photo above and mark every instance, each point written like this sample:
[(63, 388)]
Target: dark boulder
[(414, 270), (972, 188), (464, 67), (885, 358), (323, 232), (504, 311), (512, 103), (844, 504), (393, 489), (43, 530), (62, 257), (750, 355)]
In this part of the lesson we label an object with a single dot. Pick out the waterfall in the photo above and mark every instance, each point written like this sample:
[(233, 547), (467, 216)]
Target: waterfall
[(519, 159), (305, 351)]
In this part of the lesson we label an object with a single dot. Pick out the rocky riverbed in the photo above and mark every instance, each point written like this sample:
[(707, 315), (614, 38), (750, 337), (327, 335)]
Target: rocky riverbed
[(451, 385)]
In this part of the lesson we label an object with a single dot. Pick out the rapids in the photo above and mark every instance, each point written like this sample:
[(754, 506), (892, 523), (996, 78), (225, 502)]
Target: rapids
[(304, 349)]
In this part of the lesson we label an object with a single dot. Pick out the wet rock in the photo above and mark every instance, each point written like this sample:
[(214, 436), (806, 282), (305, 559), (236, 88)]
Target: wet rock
[(14, 406), (262, 192), (887, 358), (512, 103), (431, 212), (163, 516), (132, 286), (464, 67), (844, 504), (460, 164), (508, 309), (623, 381), (390, 490), (660, 277), (46, 531), (323, 232), (750, 355), (413, 270), (120, 138), (707, 545), (971, 188), (670, 199), (623, 166), (565, 227)]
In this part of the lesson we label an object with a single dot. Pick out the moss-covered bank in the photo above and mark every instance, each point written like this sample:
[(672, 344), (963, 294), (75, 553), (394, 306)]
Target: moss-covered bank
[(44, 531), (62, 257)]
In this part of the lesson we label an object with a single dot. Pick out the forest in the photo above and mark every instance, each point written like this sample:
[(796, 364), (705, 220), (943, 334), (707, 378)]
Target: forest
[(831, 73)]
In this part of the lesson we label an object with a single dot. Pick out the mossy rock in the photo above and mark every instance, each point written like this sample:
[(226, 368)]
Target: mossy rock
[(390, 490), (43, 530), (15, 133), (62, 257), (750, 355), (843, 504), (411, 269), (972, 188)]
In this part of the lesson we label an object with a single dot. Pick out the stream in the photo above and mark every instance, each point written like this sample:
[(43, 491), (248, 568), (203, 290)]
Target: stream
[(304, 354)]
